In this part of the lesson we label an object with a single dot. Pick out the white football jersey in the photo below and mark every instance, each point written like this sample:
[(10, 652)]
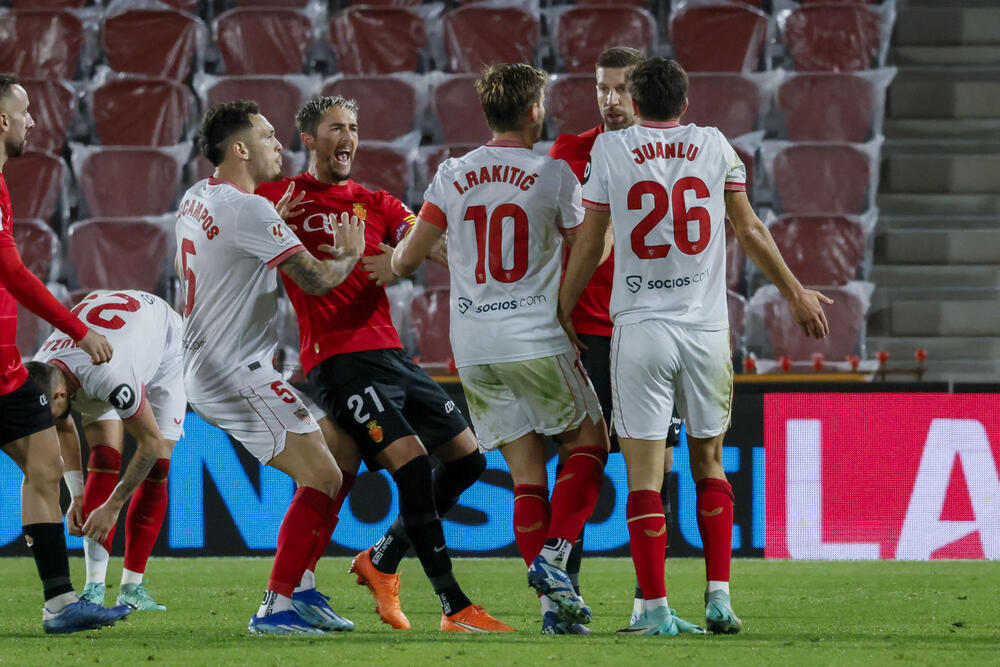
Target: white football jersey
[(664, 184), (229, 242), (503, 206), (142, 329)]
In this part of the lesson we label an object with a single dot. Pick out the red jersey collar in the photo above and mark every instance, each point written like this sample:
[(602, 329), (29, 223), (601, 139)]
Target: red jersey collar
[(660, 124), (212, 180), (507, 144), (314, 182)]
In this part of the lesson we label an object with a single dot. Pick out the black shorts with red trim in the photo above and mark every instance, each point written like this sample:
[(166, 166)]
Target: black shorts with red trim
[(23, 412)]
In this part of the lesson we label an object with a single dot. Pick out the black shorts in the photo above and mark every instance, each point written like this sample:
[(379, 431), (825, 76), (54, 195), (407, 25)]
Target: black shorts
[(23, 412), (597, 362), (380, 396)]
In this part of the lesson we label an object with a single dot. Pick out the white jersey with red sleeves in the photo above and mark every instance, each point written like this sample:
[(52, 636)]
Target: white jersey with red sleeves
[(503, 207), (144, 332), (229, 242), (664, 184)]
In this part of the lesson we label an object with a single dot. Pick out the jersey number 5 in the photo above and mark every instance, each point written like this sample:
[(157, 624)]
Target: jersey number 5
[(490, 236), (187, 248), (682, 216)]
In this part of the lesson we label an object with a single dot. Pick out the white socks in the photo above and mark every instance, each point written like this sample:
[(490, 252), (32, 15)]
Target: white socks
[(56, 604), (558, 553), (308, 581), (97, 561), (130, 577), (650, 605), (273, 603), (718, 586)]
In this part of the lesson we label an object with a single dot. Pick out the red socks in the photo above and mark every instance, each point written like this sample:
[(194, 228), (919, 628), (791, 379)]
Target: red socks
[(647, 538), (715, 523), (331, 519), (103, 467), (300, 529), (531, 519), (145, 516), (575, 492)]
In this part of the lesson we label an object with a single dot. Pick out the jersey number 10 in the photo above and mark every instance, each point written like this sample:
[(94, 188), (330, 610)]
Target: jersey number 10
[(489, 241), (682, 216)]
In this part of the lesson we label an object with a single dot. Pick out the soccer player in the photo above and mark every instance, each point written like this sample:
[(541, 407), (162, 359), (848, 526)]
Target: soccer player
[(362, 377), (591, 319), (505, 210), (229, 241), (666, 189), (27, 431), (141, 391)]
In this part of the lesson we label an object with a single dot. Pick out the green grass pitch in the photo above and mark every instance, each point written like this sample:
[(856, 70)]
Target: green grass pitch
[(943, 612)]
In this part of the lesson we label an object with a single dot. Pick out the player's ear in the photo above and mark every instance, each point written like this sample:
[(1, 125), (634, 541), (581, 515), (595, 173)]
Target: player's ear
[(241, 150), (684, 108), (308, 140), (635, 107)]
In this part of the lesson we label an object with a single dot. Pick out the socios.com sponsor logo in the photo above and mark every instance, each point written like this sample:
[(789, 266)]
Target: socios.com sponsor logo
[(634, 283), (465, 305)]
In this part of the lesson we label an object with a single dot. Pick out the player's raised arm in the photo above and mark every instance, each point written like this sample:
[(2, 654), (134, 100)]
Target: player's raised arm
[(759, 245), (319, 276)]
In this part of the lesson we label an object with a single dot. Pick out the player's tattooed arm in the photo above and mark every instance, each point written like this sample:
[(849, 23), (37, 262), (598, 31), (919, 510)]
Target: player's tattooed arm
[(318, 276)]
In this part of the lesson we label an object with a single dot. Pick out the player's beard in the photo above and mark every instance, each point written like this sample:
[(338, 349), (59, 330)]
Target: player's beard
[(15, 148), (338, 171)]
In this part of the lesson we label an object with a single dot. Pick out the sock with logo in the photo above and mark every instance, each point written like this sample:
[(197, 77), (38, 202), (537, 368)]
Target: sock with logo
[(575, 493), (647, 538), (715, 523), (145, 516), (297, 538), (103, 467), (48, 547), (531, 519), (273, 603)]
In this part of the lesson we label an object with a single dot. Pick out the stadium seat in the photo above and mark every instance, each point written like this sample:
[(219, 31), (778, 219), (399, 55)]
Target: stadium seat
[(119, 253), (390, 104), (820, 250), (827, 107), (583, 31), (292, 163), (719, 38), (572, 104), (377, 40), (737, 316), (430, 314), (257, 40), (456, 106), (382, 166), (784, 336), (36, 181), (40, 43), (139, 111), (53, 103), (47, 4), (38, 246), (836, 37), (436, 275), (279, 97), (431, 158), (295, 4), (128, 181), (735, 259), (822, 178), (475, 36), (730, 102), (749, 161), (152, 42)]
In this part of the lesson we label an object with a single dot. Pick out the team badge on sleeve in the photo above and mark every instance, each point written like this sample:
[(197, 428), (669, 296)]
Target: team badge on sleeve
[(123, 397), (586, 171)]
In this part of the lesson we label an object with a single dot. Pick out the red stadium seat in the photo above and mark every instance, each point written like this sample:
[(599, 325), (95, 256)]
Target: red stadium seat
[(455, 104), (572, 104), (292, 164), (582, 32), (138, 111), (820, 250), (730, 102), (436, 275), (377, 40), (390, 104), (737, 317), (127, 181), (189, 6), (827, 107), (820, 179), (480, 35), (152, 42), (256, 40), (279, 98), (295, 4), (39, 43), (52, 106), (786, 338), (47, 4), (36, 181), (38, 246), (431, 158), (735, 259), (381, 166), (119, 253), (719, 38), (749, 162), (430, 314), (833, 37)]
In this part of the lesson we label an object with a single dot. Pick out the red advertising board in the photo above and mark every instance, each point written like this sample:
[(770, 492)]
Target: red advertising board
[(909, 476)]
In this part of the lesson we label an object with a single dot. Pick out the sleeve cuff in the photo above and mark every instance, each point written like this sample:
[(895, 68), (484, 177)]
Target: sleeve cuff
[(737, 187), (294, 250), (595, 206), (431, 213)]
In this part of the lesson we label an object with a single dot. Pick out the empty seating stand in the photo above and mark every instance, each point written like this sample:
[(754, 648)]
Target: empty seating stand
[(378, 40), (719, 38), (476, 35), (153, 42), (41, 43), (583, 31), (262, 40), (119, 253)]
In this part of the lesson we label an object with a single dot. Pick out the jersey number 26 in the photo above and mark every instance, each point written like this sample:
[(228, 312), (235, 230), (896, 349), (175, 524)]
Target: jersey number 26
[(682, 216)]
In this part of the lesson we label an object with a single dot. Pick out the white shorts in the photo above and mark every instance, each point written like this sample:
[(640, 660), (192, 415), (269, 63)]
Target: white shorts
[(654, 363), (507, 400), (260, 416)]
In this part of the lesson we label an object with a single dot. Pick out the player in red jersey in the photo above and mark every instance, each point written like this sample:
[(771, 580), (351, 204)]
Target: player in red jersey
[(362, 377), (27, 429), (590, 316)]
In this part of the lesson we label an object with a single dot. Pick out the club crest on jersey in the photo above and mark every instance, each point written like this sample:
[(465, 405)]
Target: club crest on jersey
[(360, 212), (374, 431), (303, 414), (122, 397), (586, 171), (634, 283), (464, 304)]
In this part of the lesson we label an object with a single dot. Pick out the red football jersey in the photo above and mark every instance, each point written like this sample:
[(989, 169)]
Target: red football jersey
[(12, 371), (354, 316), (591, 313)]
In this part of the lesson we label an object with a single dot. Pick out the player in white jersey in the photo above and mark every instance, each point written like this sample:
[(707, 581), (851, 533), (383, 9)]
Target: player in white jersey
[(229, 241), (506, 210), (141, 391), (666, 188)]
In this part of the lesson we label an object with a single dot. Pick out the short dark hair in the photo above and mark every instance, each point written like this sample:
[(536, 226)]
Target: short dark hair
[(307, 119), (7, 81), (221, 122), (659, 88), (506, 91), (42, 374), (619, 56)]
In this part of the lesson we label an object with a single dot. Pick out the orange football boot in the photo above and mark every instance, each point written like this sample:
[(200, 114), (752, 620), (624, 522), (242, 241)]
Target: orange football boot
[(384, 588), (472, 619)]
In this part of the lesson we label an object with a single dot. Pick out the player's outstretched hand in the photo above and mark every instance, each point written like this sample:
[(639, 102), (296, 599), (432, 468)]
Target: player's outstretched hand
[(288, 207), (567, 324), (808, 312), (379, 267), (97, 346), (100, 522), (74, 517)]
